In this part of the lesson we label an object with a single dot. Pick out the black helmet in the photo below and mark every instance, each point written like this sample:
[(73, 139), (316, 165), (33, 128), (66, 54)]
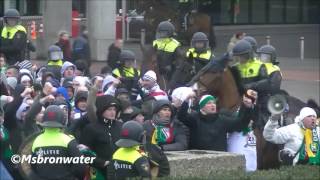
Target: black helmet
[(268, 49), (53, 117), (126, 55), (55, 53), (252, 41), (242, 47), (200, 37), (131, 134), (12, 13), (165, 30), (160, 104)]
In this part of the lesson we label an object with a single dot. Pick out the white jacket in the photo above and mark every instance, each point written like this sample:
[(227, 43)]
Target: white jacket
[(291, 136)]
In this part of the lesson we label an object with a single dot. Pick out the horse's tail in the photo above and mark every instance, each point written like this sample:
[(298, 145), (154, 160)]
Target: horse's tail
[(314, 105)]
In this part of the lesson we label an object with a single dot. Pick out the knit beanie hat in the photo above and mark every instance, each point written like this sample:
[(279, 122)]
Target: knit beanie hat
[(305, 112), (205, 99), (150, 75)]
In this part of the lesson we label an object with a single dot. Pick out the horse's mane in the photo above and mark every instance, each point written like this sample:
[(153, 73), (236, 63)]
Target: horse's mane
[(237, 78)]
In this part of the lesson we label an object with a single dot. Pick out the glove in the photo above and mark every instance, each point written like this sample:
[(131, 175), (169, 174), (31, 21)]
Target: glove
[(275, 117), (286, 157)]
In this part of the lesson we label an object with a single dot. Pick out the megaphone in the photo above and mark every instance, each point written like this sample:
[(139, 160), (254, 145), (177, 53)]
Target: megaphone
[(277, 104)]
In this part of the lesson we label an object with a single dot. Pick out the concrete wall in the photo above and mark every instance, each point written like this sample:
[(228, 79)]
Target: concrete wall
[(201, 163), (285, 38), (101, 25), (56, 17)]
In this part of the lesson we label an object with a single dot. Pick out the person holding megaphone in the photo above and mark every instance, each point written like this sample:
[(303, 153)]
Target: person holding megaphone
[(300, 139)]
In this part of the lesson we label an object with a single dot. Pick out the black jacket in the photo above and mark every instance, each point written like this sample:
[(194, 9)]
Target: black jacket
[(101, 137), (14, 48), (209, 132)]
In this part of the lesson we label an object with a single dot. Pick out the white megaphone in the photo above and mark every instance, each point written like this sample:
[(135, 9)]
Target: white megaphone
[(277, 104)]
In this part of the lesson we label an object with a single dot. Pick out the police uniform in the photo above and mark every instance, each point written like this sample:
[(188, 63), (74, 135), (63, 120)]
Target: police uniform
[(54, 143), (166, 55), (129, 78), (13, 40), (199, 60), (129, 161)]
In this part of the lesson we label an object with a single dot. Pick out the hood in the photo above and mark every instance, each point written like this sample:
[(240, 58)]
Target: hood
[(80, 95), (65, 66)]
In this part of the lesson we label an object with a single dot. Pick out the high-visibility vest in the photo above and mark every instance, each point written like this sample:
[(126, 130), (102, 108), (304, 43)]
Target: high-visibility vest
[(10, 32), (167, 45), (203, 56)]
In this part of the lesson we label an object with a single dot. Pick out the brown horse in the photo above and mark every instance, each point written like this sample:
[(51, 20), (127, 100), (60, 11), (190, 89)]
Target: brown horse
[(222, 81)]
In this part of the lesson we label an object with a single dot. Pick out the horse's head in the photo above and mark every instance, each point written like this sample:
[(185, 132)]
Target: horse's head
[(209, 78), (217, 79)]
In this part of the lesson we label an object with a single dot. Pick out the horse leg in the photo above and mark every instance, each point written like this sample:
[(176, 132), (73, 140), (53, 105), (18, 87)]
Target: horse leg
[(270, 158), (259, 147), (267, 153)]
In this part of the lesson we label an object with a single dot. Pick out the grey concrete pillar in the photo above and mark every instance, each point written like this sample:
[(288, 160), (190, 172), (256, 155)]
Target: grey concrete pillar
[(101, 20), (57, 16)]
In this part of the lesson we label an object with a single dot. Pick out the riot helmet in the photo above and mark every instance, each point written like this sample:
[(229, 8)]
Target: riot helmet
[(200, 42), (126, 56), (165, 30), (267, 54), (131, 134), (53, 117), (252, 41), (55, 53), (242, 51), (11, 17)]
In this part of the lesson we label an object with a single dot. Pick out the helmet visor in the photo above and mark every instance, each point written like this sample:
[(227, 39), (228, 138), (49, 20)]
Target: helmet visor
[(56, 55), (12, 21), (266, 58), (240, 58), (200, 45), (162, 34)]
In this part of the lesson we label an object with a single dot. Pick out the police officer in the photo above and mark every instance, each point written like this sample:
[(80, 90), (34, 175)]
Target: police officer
[(55, 61), (253, 42), (267, 55), (254, 76), (167, 49), (200, 53), (127, 73), (54, 143), (129, 160), (13, 38)]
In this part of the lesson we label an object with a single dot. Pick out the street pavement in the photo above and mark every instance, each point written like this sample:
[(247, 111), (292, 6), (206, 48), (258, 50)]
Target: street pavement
[(301, 78)]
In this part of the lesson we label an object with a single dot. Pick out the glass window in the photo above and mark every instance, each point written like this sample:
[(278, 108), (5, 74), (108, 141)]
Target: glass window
[(276, 11), (292, 11), (311, 11), (225, 12), (258, 11), (241, 14)]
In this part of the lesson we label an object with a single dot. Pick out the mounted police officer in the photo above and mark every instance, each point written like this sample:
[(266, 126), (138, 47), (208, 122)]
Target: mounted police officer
[(267, 55), (167, 49), (127, 73), (129, 160), (254, 75), (200, 53), (13, 39), (54, 143)]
